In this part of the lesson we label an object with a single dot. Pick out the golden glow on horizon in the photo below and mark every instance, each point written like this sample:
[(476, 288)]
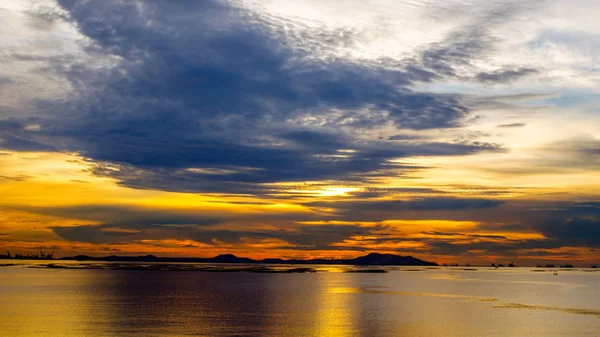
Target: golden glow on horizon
[(50, 180)]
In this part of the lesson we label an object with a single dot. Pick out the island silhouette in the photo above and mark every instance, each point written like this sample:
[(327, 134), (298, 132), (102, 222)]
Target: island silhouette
[(375, 259)]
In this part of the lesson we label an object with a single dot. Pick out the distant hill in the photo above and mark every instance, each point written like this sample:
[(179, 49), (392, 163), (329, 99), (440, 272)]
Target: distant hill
[(391, 260), (370, 259)]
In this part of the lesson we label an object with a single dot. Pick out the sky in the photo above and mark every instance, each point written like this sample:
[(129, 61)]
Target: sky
[(459, 131)]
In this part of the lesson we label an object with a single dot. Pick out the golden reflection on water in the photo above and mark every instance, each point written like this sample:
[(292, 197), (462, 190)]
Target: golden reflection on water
[(107, 303), (335, 316), (33, 313)]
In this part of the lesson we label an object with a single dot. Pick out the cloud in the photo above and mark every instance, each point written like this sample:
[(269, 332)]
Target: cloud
[(577, 225), (129, 216), (245, 170), (313, 236), (405, 137), (182, 88), (512, 125), (505, 75), (453, 204), (419, 204), (201, 70), (426, 208), (563, 225), (582, 147), (90, 234), (457, 54), (15, 136), (16, 178), (437, 233), (303, 237)]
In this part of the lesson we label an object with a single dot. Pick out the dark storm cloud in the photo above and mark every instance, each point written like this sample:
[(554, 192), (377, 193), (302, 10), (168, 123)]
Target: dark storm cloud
[(570, 225), (212, 86), (242, 169), (453, 204), (221, 61), (325, 142), (14, 136), (394, 208), (577, 225), (92, 234), (562, 224)]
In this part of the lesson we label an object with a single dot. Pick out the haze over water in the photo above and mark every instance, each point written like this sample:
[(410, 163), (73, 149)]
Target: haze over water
[(407, 301)]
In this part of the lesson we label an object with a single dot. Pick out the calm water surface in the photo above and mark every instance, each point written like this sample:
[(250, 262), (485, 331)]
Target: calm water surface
[(404, 302)]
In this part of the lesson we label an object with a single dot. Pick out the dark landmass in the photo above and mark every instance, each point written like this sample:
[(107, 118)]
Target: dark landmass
[(371, 259), (388, 259)]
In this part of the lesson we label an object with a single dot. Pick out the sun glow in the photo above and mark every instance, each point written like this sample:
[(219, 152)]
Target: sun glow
[(337, 191)]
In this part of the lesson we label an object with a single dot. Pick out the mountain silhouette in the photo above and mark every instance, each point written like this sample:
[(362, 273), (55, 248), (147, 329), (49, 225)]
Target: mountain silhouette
[(390, 259), (370, 259)]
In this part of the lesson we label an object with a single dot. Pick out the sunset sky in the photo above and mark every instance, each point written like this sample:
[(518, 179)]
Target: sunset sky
[(460, 131)]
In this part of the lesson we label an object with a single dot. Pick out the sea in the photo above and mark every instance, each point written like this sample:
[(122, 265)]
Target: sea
[(103, 299)]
